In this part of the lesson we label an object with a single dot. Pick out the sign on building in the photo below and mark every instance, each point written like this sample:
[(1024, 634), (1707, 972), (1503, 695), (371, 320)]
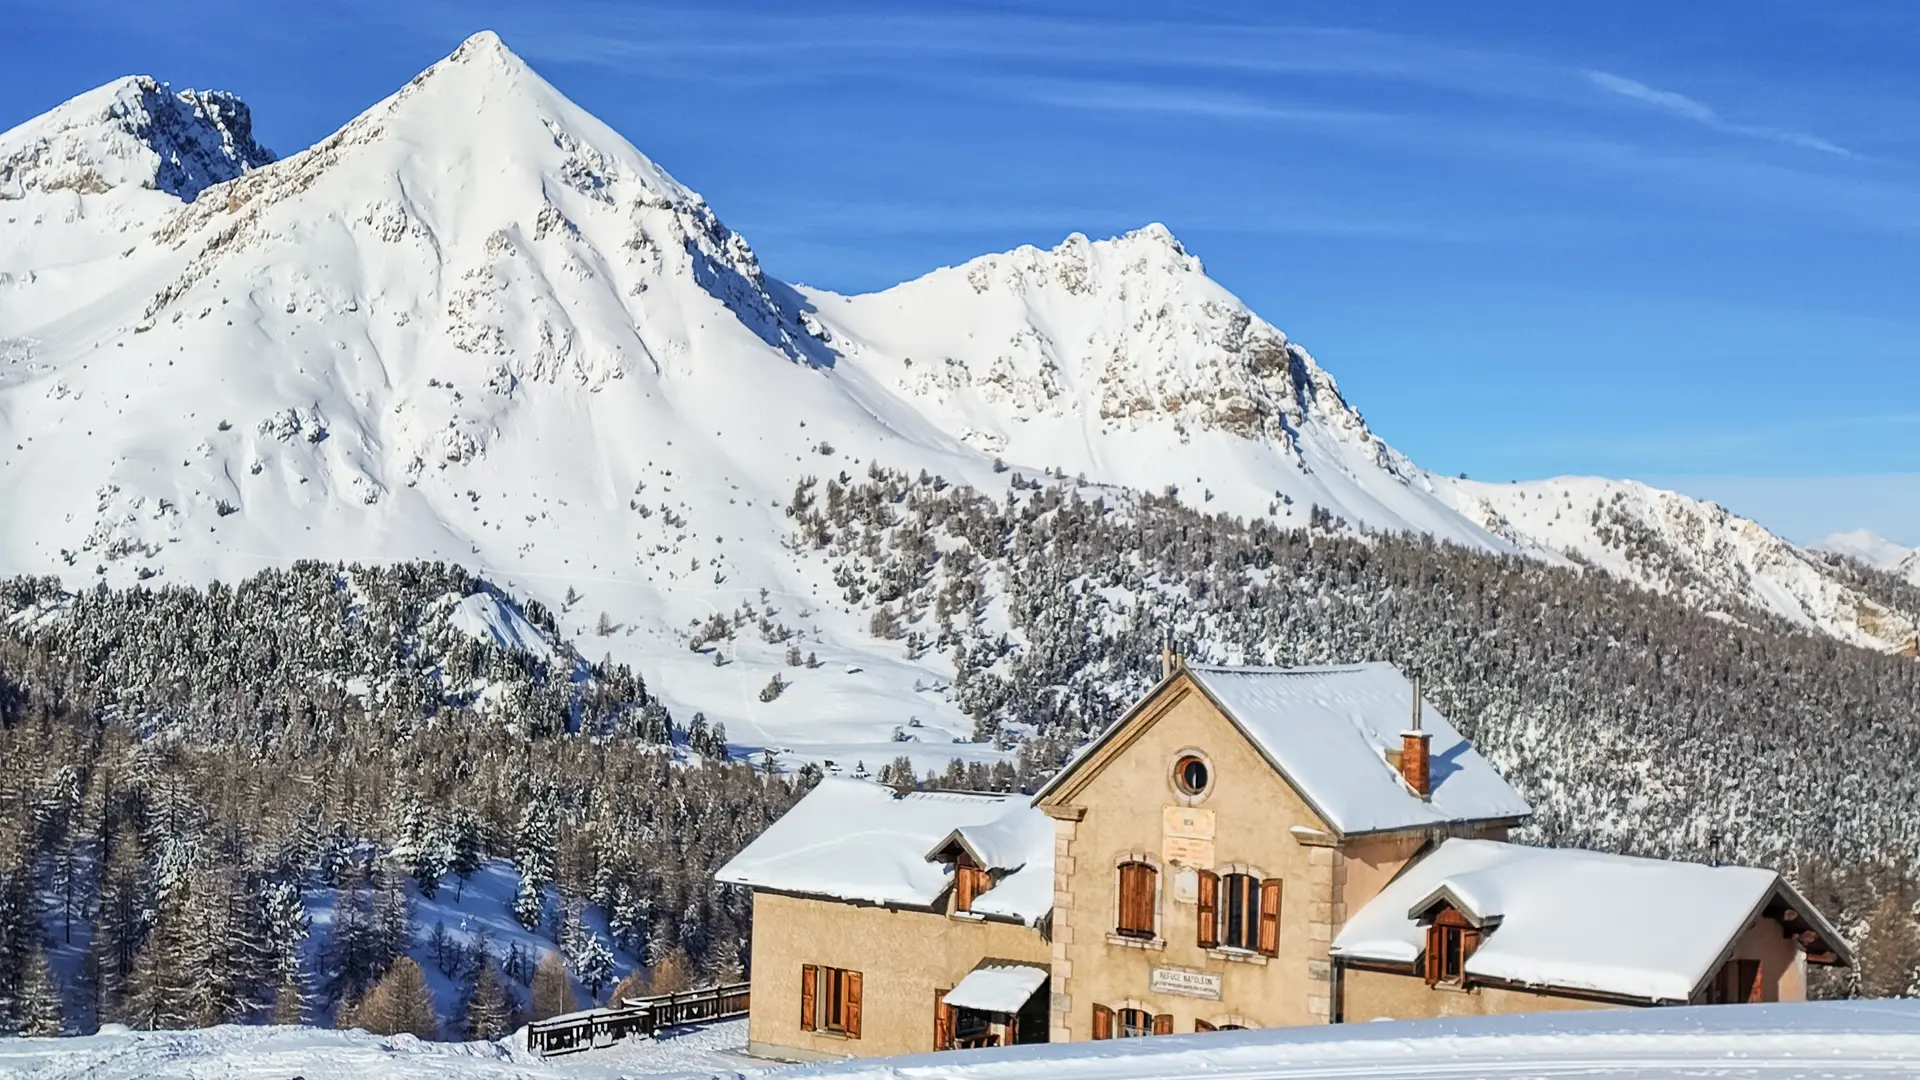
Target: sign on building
[(1200, 984)]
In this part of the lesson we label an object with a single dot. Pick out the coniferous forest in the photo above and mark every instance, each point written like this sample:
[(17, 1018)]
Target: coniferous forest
[(181, 762)]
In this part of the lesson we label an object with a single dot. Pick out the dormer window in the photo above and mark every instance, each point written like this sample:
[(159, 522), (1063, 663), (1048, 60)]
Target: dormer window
[(969, 881), (1450, 941)]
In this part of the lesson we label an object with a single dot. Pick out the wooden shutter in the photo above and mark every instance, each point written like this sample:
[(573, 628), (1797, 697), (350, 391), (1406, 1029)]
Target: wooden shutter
[(942, 1021), (1163, 1024), (1749, 985), (1270, 916), (809, 978), (1102, 1022), (1202, 1025), (852, 1009), (1434, 948), (969, 881), (1137, 881), (1209, 909)]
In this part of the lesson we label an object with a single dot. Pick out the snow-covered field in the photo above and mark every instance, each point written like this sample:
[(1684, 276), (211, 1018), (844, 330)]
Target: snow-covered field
[(283, 1053), (1826, 1040)]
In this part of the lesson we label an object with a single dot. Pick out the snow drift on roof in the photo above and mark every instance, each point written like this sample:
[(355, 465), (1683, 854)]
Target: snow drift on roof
[(1329, 729), (857, 840), (1547, 906), (997, 986)]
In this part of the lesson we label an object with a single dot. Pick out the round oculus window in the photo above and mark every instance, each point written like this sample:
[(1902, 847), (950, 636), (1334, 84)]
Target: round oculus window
[(1190, 775)]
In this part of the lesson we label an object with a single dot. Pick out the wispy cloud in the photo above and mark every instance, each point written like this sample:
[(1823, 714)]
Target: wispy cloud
[(1102, 95), (1686, 108)]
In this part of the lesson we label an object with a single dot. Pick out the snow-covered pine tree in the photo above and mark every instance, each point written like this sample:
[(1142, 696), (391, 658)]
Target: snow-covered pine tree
[(533, 851), (468, 850), (286, 926), (591, 960), (424, 848), (392, 914)]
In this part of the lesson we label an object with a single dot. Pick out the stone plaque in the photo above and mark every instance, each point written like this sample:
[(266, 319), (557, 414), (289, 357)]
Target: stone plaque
[(1186, 886), (1185, 851), (1200, 984), (1187, 821)]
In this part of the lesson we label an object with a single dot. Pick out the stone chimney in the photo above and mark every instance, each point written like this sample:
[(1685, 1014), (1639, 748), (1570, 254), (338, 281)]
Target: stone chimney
[(1414, 744), (1170, 661)]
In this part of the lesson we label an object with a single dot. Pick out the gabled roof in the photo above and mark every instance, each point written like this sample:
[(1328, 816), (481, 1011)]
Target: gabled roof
[(1649, 929), (860, 841), (1328, 730)]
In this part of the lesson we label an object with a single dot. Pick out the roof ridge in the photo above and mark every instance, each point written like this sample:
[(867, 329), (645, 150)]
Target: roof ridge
[(1307, 669)]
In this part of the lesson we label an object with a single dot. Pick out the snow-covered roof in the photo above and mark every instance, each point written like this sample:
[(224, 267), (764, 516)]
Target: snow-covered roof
[(997, 986), (1576, 920), (861, 841), (1328, 731)]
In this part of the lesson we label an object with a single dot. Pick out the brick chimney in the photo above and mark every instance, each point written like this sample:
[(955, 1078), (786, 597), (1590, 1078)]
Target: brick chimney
[(1414, 744)]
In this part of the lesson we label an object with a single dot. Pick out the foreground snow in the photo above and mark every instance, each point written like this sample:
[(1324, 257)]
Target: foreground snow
[(323, 1054), (1831, 1040)]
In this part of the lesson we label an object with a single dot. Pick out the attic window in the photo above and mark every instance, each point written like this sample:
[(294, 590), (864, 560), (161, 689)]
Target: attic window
[(1450, 941), (1191, 775), (969, 881)]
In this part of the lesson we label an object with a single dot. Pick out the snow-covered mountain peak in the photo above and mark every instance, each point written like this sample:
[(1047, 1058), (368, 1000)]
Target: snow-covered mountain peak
[(1876, 551), (134, 131), (485, 47), (1108, 338)]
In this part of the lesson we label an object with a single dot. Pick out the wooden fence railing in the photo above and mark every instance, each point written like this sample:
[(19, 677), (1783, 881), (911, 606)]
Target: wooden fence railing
[(635, 1016)]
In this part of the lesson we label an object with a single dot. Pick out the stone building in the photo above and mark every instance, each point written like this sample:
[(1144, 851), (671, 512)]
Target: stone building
[(1246, 847)]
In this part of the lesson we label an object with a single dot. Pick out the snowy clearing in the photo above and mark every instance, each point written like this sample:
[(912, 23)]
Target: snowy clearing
[(325, 1054), (1829, 1040)]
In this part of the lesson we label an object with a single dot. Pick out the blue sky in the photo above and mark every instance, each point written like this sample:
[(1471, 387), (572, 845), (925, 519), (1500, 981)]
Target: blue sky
[(1674, 242)]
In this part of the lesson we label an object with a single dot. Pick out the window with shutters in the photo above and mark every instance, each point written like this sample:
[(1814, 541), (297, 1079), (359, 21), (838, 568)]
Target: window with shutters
[(1139, 884), (1129, 1022), (1450, 941), (969, 881), (830, 1000), (1239, 911)]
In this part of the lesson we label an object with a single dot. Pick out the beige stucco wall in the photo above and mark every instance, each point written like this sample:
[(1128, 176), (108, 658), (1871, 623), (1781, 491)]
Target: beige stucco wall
[(1124, 801), (1384, 995), (1370, 864), (903, 958), (1783, 964)]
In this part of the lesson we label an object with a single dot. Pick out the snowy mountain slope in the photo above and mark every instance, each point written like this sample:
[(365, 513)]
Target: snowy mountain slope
[(1876, 551), (132, 132), (476, 324), (82, 185), (1120, 360), (1669, 542), (1837, 1040)]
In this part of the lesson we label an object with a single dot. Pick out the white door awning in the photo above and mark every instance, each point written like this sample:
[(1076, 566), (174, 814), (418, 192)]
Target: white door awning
[(997, 986)]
